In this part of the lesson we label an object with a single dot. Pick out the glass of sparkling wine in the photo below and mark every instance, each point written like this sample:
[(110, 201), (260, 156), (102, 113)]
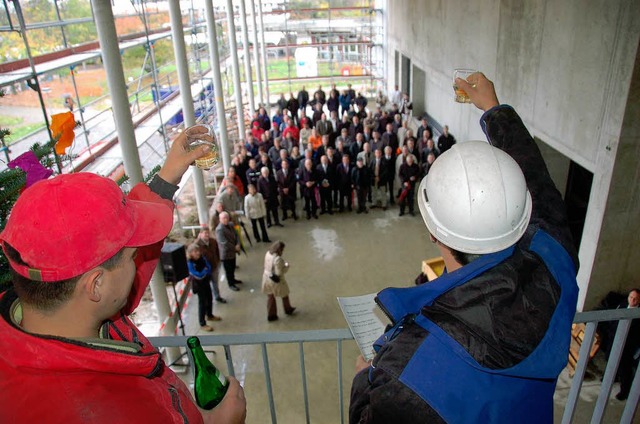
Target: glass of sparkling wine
[(460, 95), (199, 135)]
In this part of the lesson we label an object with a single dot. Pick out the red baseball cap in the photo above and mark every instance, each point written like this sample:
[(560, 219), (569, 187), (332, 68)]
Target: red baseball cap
[(67, 225)]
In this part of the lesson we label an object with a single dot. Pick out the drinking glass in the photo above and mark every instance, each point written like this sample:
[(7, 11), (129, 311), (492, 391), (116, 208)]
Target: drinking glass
[(460, 95), (199, 135)]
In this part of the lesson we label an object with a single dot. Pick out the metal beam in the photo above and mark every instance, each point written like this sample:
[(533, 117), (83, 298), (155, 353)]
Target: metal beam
[(247, 57), (236, 69), (182, 67), (264, 59), (255, 51), (217, 86), (118, 88)]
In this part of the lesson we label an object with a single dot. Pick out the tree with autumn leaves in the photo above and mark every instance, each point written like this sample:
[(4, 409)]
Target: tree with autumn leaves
[(29, 168)]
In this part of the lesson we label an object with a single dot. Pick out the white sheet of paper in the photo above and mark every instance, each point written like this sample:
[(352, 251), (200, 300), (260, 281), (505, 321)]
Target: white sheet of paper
[(363, 316)]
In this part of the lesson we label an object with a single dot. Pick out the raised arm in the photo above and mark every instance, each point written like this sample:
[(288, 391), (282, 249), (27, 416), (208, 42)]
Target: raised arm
[(506, 131)]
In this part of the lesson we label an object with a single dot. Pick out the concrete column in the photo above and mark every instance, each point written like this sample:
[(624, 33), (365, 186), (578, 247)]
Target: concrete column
[(247, 57), (217, 85), (182, 68), (117, 89), (264, 58), (120, 102), (236, 68), (255, 51), (161, 300)]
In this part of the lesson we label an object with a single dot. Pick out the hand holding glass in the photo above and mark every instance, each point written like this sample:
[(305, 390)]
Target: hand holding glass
[(460, 95), (199, 135)]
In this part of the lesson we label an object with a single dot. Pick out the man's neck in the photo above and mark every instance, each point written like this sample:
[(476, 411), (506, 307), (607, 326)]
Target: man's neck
[(63, 322)]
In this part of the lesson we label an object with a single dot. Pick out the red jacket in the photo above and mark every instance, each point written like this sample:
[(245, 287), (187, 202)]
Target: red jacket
[(295, 132), (57, 380)]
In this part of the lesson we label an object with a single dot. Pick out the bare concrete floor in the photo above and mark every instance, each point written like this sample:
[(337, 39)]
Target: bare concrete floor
[(341, 255), (336, 255)]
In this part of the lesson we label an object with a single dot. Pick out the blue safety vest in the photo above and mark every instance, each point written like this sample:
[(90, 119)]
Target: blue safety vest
[(446, 377)]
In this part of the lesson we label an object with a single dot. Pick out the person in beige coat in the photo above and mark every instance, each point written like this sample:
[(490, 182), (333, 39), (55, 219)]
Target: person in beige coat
[(274, 264)]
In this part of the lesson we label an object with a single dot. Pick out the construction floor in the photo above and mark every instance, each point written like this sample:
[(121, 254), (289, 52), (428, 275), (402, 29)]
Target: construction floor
[(344, 254)]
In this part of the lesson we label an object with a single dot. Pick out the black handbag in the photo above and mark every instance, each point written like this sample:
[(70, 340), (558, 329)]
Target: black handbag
[(195, 284), (273, 276)]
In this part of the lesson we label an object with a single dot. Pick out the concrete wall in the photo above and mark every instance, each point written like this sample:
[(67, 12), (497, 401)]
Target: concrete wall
[(566, 67), (618, 245)]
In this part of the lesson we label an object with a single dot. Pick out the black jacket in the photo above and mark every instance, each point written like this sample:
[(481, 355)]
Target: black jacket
[(361, 177), (343, 177), (329, 175), (383, 172), (498, 317)]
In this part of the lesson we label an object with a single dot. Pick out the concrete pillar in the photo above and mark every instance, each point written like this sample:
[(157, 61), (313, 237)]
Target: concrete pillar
[(182, 68), (255, 51), (117, 89), (610, 259), (233, 46), (161, 300), (217, 85), (247, 57), (264, 58), (120, 102)]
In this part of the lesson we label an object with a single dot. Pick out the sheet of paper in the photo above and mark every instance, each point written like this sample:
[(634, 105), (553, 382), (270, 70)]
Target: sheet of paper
[(364, 319)]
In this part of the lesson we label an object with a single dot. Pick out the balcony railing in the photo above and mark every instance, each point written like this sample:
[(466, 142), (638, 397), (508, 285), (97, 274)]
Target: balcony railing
[(591, 319)]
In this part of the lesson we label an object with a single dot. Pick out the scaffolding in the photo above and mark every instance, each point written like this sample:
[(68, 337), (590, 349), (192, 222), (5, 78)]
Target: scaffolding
[(347, 36)]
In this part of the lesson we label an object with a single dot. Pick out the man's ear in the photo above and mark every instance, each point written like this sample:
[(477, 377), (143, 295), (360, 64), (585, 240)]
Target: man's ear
[(92, 284)]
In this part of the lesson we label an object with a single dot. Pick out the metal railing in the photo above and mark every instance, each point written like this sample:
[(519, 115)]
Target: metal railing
[(591, 319), (265, 339)]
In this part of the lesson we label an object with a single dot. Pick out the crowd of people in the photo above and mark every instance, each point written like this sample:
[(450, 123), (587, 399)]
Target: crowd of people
[(359, 161), (343, 156), (499, 318)]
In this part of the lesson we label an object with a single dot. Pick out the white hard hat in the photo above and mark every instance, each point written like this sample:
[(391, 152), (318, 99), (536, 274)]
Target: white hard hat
[(475, 199)]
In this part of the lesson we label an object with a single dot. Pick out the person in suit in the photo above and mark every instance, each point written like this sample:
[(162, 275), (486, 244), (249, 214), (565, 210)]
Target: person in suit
[(268, 188), (323, 126), (293, 105), (379, 181), (317, 113), (365, 154), (308, 179), (361, 180), (389, 163), (303, 99), (325, 177), (333, 161), (355, 128), (322, 150), (284, 157), (356, 148), (390, 139), (446, 140), (344, 182), (320, 96), (376, 142), (409, 174), (631, 350), (287, 190)]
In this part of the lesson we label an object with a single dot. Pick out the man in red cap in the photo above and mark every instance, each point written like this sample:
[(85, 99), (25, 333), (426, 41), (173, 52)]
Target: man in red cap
[(81, 254)]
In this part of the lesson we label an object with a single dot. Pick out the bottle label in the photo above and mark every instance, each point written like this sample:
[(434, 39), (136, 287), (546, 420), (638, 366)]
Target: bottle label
[(221, 377)]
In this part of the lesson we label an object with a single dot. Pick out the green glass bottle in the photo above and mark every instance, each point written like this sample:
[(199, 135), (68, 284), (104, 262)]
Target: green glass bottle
[(209, 384)]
